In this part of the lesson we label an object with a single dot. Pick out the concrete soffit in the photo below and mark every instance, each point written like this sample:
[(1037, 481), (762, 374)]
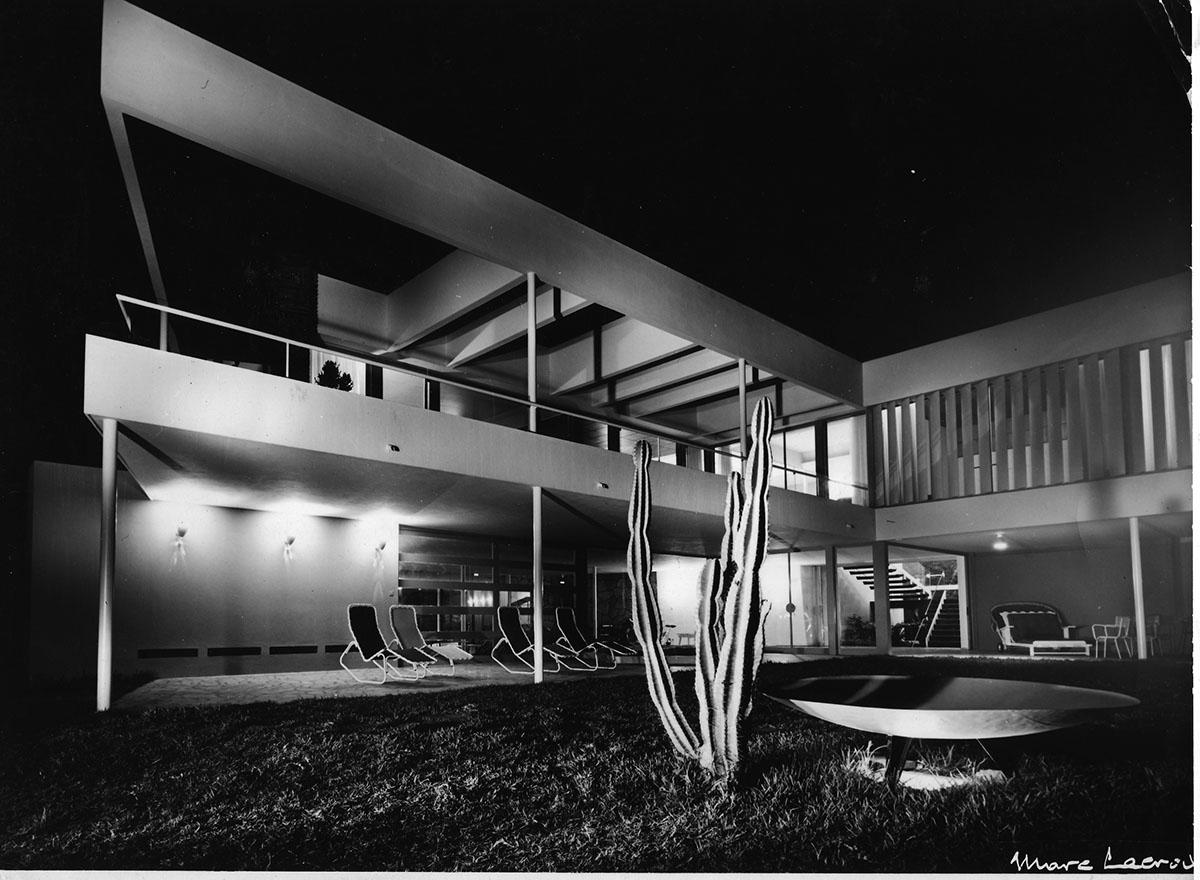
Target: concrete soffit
[(167, 77)]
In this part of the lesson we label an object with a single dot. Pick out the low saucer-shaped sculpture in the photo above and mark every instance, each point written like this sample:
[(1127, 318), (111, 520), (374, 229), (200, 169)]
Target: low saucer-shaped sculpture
[(908, 707), (946, 707)]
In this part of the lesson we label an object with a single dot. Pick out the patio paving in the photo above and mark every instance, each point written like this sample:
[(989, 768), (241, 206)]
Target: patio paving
[(282, 687)]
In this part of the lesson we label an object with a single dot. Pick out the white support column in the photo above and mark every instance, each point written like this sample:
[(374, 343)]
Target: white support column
[(883, 621), (595, 602), (742, 406), (1139, 596), (108, 551), (531, 386), (831, 599), (162, 331)]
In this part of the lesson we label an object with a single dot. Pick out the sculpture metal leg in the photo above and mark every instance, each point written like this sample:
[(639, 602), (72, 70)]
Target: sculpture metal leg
[(898, 747)]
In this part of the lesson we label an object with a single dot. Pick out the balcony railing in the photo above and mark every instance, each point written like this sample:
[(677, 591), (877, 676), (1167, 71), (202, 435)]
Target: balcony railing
[(428, 389), (1114, 413)]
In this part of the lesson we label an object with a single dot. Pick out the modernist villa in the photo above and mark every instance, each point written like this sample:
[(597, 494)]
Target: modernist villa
[(459, 440)]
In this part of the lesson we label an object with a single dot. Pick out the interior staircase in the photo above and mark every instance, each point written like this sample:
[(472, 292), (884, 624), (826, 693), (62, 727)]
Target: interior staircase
[(945, 631), (902, 589)]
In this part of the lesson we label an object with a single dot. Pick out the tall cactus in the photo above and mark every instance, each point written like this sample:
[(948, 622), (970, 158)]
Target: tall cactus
[(729, 615), (647, 620)]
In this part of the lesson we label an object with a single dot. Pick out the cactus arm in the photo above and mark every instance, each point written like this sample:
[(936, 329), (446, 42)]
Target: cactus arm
[(647, 619), (742, 608), (706, 614)]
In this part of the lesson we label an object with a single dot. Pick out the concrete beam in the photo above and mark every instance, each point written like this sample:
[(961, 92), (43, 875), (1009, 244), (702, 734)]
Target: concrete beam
[(452, 287), (510, 326), (625, 345), (170, 78), (1093, 501)]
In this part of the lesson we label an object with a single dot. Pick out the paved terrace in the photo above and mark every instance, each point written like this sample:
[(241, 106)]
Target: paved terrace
[(283, 687)]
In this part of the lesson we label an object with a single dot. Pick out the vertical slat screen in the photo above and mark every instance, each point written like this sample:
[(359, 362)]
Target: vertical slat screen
[(924, 490), (938, 472), (1158, 408), (1076, 446), (1037, 429), (1179, 392), (1131, 411), (908, 450), (954, 483), (1093, 427), (1000, 432), (1114, 428), (1016, 396), (894, 494), (1054, 423), (1123, 411), (967, 435), (983, 422), (878, 452)]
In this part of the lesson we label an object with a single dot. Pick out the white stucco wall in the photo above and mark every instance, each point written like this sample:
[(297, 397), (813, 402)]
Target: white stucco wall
[(228, 581)]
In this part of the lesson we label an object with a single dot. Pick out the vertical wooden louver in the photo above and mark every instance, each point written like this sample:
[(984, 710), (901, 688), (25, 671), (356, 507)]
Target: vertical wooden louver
[(1113, 413)]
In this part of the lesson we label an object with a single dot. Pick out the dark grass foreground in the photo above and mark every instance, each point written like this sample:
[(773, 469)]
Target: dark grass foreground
[(575, 777)]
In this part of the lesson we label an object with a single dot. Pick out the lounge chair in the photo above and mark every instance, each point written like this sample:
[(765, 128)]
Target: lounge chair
[(368, 641), (408, 636), (554, 657), (1037, 628), (572, 639)]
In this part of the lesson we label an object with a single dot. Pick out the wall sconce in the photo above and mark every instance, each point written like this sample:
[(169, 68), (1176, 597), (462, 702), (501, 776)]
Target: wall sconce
[(180, 551), (1000, 543), (379, 548), (288, 541)]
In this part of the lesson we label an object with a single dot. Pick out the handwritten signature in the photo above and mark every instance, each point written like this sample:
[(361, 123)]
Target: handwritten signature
[(1026, 862)]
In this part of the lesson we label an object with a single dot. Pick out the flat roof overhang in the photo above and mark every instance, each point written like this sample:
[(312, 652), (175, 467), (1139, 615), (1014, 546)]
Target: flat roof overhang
[(206, 433), (163, 75)]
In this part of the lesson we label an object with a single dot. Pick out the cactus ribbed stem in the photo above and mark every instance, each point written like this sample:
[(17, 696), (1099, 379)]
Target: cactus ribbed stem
[(646, 617), (730, 614)]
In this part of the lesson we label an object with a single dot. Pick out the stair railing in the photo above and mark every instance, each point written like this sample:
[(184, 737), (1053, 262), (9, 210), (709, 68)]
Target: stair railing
[(936, 614)]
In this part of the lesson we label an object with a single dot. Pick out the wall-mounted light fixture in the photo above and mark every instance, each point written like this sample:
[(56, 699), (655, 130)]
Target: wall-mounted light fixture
[(180, 551), (288, 542), (1000, 543)]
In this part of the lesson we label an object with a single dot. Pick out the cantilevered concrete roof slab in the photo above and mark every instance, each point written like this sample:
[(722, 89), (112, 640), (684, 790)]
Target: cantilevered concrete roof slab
[(163, 75), (207, 433)]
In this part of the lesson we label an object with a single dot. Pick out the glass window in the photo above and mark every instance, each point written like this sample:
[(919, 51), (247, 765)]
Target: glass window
[(848, 459), (800, 459)]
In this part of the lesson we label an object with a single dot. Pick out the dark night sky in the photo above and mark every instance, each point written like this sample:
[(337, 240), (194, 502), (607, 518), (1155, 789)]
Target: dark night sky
[(876, 174)]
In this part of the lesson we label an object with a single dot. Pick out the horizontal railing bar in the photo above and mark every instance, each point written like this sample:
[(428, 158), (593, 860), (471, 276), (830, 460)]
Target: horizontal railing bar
[(417, 372)]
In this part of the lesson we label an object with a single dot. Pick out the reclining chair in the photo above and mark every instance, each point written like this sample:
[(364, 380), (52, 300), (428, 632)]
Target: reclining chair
[(368, 641), (573, 640), (408, 636), (554, 657)]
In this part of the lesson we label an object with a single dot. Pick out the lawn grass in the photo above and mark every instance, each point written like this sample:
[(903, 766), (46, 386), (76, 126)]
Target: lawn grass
[(578, 777)]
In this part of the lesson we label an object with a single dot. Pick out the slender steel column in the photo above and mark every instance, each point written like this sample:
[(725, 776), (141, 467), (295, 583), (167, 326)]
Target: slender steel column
[(883, 623), (742, 405), (1139, 595), (162, 331), (108, 556), (831, 599), (595, 602), (531, 379)]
